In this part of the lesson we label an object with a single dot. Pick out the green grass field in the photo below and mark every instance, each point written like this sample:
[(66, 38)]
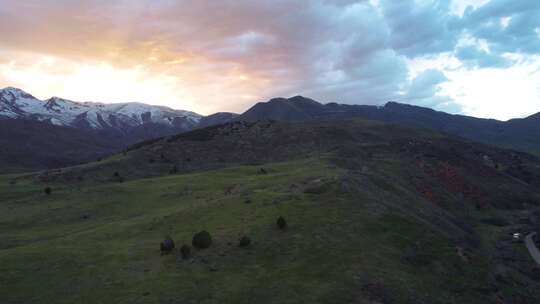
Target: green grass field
[(99, 243)]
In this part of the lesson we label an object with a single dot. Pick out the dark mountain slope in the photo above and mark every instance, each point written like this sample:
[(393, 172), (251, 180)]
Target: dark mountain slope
[(26, 144), (520, 134)]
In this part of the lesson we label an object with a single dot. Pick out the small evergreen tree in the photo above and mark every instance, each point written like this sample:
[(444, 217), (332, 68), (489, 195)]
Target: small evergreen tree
[(281, 223), (185, 251), (244, 241)]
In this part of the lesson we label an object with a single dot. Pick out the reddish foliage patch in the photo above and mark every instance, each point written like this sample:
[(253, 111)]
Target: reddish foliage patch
[(450, 178)]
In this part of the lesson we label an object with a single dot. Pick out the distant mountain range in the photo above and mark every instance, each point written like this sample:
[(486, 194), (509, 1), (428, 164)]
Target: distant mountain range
[(39, 134), (15, 103)]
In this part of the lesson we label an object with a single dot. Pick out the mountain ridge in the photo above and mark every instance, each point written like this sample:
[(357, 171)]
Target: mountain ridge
[(520, 133), (121, 125)]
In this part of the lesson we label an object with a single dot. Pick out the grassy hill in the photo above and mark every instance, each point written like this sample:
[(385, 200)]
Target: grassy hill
[(375, 213)]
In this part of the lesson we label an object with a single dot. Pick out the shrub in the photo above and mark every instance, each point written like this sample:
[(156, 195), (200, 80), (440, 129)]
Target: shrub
[(185, 251), (281, 223), (202, 240), (167, 245), (117, 177), (244, 241), (47, 190), (262, 171)]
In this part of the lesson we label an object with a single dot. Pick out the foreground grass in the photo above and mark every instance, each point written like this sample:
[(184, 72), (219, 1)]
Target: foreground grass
[(100, 243)]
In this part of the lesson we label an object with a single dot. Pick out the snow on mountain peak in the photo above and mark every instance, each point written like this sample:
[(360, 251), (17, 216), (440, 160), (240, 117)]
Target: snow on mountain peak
[(12, 94), (15, 103)]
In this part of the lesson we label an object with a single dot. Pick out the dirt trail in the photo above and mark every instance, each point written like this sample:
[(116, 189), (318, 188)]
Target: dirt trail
[(533, 250)]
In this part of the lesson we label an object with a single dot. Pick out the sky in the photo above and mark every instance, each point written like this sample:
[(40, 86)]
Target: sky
[(472, 57)]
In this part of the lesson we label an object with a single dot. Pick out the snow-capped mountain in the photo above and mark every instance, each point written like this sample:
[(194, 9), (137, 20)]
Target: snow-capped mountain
[(17, 104)]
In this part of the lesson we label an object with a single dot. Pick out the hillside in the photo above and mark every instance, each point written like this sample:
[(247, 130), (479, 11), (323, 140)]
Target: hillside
[(376, 213)]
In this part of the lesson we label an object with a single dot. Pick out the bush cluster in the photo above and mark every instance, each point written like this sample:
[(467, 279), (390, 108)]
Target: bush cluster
[(203, 240)]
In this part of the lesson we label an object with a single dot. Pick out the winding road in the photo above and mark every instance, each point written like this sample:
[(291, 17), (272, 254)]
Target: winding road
[(533, 250)]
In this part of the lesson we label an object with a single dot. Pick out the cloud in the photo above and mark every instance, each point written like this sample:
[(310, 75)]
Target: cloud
[(225, 55), (421, 27), (507, 26), (424, 85), (425, 90), (474, 57)]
